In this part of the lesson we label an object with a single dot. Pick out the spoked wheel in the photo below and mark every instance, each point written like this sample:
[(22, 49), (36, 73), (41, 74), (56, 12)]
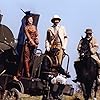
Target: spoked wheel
[(13, 94), (6, 95)]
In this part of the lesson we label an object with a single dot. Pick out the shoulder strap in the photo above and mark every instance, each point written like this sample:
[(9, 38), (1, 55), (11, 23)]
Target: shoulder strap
[(59, 37)]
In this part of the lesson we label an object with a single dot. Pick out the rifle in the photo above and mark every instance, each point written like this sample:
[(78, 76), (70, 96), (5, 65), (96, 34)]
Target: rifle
[(26, 12)]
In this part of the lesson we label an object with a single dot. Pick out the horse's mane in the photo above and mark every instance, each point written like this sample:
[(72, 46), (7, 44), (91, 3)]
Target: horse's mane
[(85, 47), (87, 63)]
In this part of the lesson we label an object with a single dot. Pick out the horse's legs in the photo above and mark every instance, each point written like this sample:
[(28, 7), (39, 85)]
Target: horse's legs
[(83, 89), (86, 90), (89, 88), (95, 89)]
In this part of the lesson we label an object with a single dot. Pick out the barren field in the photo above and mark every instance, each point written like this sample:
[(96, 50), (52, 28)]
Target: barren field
[(74, 97)]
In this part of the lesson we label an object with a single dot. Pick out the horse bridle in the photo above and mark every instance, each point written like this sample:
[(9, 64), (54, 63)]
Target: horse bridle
[(85, 48)]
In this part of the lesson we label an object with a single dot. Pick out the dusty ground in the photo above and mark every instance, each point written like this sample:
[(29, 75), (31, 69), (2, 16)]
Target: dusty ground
[(27, 97), (76, 95)]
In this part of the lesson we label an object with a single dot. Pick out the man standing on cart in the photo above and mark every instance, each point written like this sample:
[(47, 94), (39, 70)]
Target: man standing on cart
[(56, 40)]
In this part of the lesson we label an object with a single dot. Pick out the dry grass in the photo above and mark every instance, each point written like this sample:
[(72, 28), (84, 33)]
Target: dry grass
[(27, 97), (76, 95)]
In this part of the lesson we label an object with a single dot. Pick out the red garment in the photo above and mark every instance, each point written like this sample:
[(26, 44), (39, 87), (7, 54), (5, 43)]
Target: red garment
[(32, 34)]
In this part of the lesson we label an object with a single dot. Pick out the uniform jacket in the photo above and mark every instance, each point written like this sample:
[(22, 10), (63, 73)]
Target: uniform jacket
[(61, 33)]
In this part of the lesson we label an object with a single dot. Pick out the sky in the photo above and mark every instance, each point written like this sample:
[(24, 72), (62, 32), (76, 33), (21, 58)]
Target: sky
[(76, 15)]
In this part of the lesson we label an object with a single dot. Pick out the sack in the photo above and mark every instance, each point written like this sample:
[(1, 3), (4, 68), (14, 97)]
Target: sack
[(33, 86), (68, 90), (36, 88)]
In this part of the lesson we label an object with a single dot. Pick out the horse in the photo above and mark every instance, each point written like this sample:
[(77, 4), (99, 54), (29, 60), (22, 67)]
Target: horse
[(86, 69)]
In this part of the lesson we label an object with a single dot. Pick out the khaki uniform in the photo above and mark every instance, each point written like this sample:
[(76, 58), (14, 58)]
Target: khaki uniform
[(56, 38), (93, 48)]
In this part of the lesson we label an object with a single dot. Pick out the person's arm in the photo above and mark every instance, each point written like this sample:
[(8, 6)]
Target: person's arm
[(37, 37), (79, 46), (48, 41), (94, 46)]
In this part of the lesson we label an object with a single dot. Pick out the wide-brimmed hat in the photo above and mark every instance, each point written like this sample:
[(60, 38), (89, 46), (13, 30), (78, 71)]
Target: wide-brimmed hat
[(88, 30), (55, 17)]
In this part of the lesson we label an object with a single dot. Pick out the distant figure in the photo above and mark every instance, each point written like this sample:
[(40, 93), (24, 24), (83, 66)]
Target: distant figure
[(93, 45), (56, 41), (31, 42)]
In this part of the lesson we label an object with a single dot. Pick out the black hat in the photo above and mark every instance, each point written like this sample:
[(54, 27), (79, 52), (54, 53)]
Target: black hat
[(27, 13), (88, 30)]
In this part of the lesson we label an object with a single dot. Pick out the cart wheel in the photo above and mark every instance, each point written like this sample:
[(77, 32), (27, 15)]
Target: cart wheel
[(13, 94), (1, 91), (6, 95)]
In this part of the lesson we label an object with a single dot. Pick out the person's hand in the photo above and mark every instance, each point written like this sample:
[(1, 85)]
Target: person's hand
[(36, 41), (93, 51), (63, 49), (36, 45), (48, 49), (33, 43)]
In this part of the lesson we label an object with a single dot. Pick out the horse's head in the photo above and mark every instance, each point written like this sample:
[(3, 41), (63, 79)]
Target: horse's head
[(85, 48)]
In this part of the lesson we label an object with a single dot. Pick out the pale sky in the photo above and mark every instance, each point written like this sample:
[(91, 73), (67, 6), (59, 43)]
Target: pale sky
[(76, 16)]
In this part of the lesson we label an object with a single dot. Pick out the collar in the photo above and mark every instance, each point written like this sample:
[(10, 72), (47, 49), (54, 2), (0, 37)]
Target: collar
[(89, 38), (56, 26)]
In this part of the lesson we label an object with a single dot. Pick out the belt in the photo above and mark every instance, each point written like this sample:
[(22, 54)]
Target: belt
[(56, 46)]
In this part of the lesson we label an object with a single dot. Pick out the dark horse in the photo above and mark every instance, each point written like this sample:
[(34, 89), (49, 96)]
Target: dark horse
[(86, 69)]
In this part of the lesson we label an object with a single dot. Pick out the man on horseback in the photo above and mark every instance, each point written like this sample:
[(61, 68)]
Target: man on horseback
[(56, 41), (93, 45)]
